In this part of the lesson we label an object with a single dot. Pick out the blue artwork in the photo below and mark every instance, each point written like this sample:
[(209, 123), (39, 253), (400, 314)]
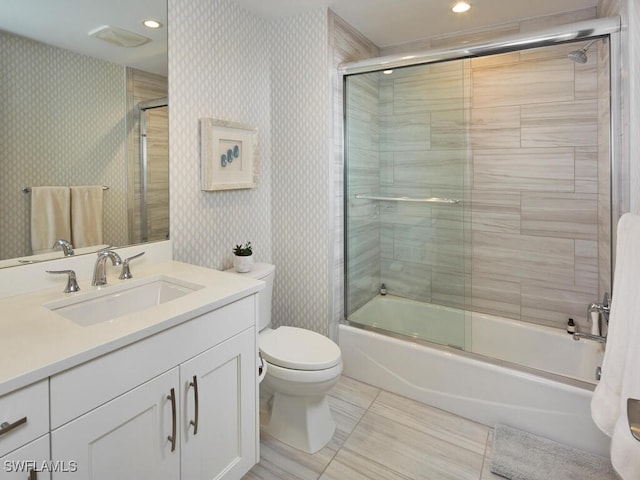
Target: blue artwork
[(223, 160), (236, 151), (229, 156)]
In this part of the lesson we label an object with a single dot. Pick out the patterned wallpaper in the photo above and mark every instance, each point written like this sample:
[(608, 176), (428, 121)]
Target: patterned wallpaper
[(278, 75), (218, 68), (62, 123)]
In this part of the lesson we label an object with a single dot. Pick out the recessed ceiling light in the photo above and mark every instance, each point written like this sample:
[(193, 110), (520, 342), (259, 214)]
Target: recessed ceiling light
[(152, 23), (461, 7), (387, 72)]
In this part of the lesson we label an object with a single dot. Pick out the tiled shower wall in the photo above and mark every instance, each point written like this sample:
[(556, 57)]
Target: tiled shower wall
[(530, 250)]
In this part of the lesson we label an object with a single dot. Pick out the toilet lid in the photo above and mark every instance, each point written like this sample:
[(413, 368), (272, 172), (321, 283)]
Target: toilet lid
[(299, 349)]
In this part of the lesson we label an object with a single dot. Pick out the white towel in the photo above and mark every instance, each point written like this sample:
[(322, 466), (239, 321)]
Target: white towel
[(621, 364), (86, 216), (50, 217)]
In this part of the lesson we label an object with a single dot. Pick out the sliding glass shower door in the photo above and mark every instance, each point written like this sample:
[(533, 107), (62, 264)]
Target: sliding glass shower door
[(406, 171)]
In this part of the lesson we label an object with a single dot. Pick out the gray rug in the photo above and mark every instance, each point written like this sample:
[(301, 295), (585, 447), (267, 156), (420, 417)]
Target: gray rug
[(519, 455)]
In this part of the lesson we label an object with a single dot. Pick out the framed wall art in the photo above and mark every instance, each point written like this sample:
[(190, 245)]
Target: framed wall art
[(227, 155)]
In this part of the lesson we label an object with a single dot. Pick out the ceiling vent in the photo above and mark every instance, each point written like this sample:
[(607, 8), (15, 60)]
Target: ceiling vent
[(118, 36)]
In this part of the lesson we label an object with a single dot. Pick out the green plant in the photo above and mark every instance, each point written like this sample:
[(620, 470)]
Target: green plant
[(241, 251)]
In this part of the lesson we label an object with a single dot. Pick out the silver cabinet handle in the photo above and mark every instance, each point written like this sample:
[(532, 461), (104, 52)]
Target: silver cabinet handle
[(194, 422), (172, 438), (6, 427)]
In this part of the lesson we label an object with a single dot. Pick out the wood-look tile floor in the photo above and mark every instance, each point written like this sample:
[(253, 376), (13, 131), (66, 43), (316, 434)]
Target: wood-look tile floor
[(381, 435)]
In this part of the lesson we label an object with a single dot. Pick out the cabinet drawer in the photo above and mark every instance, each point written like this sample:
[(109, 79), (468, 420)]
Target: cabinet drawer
[(24, 415), (30, 461), (91, 384)]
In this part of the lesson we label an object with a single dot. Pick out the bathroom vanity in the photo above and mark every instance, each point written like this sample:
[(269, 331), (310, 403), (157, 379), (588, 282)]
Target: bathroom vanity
[(165, 392)]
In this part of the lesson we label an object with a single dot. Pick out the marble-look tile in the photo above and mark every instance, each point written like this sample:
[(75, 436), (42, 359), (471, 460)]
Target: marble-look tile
[(586, 264), (440, 89), (435, 422), (495, 296), (434, 247), (406, 279), (411, 452), (537, 169), (495, 127), (448, 287), (586, 76), (346, 416), (434, 168), (493, 211), (486, 464), (559, 124), (538, 23), (551, 303), (523, 257), (449, 129), (280, 461), (407, 132), (348, 465), (560, 215), (523, 83), (357, 393), (499, 59), (586, 170)]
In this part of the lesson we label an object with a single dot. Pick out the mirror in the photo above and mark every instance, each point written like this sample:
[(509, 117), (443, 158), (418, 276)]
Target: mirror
[(79, 110)]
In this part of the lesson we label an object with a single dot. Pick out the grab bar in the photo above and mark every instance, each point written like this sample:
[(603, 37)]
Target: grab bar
[(442, 201)]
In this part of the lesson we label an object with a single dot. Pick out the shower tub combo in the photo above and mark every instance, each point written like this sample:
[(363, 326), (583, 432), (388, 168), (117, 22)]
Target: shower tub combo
[(500, 378), (448, 204)]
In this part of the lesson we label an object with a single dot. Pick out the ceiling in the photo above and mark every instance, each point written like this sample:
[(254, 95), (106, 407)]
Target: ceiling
[(66, 23)]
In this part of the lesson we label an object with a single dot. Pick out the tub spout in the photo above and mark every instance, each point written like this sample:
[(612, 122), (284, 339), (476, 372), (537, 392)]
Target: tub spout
[(598, 338)]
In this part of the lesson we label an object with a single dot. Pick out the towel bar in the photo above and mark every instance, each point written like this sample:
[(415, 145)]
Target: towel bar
[(28, 189), (633, 415)]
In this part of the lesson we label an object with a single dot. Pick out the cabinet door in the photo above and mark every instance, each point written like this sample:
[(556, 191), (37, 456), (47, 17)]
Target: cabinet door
[(126, 438), (30, 462), (224, 444)]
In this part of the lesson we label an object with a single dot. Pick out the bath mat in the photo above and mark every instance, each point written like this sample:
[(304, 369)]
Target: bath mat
[(519, 455)]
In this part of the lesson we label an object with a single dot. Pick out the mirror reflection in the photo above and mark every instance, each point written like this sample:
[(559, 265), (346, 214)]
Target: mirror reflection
[(83, 103)]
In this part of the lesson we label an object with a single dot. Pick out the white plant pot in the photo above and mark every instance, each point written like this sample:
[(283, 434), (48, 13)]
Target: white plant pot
[(243, 264)]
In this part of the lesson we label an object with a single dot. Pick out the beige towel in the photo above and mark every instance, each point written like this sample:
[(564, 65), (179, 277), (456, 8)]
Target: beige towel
[(86, 216), (50, 217), (620, 367)]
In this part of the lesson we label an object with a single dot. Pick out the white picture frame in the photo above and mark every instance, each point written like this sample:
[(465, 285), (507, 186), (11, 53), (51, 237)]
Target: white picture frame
[(228, 153)]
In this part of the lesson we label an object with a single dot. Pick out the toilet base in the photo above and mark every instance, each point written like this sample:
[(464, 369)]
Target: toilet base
[(303, 422)]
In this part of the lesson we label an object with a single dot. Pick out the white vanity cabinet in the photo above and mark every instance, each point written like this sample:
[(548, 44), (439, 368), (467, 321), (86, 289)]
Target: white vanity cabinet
[(126, 438), (133, 413), (24, 426), (218, 432)]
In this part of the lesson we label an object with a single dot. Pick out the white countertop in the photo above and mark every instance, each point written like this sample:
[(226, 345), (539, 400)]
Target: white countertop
[(36, 342)]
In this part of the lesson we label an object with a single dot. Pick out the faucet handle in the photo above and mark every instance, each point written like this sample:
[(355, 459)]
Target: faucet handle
[(126, 272), (72, 284)]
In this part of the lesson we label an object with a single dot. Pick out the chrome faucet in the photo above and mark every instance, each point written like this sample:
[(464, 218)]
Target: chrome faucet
[(603, 326), (67, 248), (100, 269)]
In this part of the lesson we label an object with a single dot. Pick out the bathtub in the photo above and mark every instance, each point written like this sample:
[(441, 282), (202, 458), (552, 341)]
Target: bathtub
[(530, 377)]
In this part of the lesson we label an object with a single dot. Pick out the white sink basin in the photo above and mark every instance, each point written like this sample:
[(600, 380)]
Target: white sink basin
[(123, 299)]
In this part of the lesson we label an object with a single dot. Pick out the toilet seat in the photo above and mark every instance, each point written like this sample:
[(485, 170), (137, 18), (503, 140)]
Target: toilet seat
[(299, 349)]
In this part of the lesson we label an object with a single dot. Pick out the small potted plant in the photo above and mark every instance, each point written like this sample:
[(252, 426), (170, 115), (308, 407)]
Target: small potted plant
[(243, 258)]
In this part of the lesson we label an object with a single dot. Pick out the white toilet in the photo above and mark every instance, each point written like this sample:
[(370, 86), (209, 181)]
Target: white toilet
[(301, 367)]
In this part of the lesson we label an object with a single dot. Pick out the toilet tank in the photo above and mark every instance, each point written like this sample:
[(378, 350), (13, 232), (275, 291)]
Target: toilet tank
[(264, 272)]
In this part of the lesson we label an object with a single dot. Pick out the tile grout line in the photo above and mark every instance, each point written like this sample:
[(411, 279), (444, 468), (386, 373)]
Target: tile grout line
[(352, 430)]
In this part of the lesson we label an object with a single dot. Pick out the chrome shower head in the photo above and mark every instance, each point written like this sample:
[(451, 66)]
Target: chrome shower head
[(580, 56)]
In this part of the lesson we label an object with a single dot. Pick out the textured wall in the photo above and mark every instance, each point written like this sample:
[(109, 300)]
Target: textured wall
[(218, 68), (301, 202), (62, 123)]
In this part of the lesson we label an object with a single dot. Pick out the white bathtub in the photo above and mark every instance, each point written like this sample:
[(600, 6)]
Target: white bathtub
[(477, 387)]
